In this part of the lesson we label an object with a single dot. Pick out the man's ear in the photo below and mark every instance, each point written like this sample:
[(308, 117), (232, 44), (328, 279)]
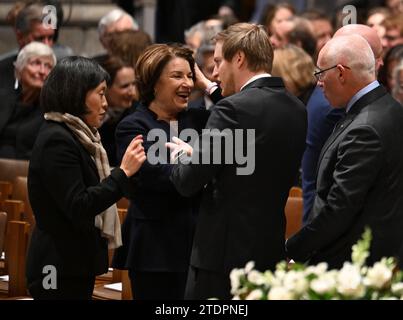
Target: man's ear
[(240, 59), (342, 74)]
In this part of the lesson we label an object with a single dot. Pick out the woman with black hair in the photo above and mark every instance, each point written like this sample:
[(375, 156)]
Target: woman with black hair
[(71, 189)]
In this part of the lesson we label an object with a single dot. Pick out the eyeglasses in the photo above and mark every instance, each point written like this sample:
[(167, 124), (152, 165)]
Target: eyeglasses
[(318, 73)]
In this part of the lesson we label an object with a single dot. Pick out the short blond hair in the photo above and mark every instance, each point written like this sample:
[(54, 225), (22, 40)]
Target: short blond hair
[(252, 40), (296, 68)]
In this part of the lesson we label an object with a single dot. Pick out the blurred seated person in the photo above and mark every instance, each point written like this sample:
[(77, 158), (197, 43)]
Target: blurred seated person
[(296, 68), (114, 21), (122, 100), (391, 60), (397, 90), (375, 19), (28, 28), (322, 28), (275, 15), (205, 60), (20, 113), (128, 45)]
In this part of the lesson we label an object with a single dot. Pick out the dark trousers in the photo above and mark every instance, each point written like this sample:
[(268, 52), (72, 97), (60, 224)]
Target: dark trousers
[(68, 288), (157, 285), (203, 284)]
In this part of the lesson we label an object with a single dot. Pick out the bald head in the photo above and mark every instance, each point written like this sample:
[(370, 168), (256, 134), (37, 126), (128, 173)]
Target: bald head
[(368, 34), (352, 51), (349, 64)]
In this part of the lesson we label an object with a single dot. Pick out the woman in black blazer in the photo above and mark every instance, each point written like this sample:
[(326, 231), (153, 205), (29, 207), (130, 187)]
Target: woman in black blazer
[(71, 188), (158, 230)]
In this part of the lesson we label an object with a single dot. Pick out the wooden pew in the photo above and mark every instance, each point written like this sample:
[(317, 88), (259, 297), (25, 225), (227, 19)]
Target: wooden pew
[(17, 246), (293, 213), (3, 223), (295, 192), (11, 168), (6, 190), (20, 192)]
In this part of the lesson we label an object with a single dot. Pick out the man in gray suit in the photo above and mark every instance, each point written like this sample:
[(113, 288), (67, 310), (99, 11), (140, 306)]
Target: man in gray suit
[(360, 168)]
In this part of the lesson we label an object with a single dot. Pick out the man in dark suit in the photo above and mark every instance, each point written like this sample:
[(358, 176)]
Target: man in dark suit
[(360, 170), (322, 118), (241, 215)]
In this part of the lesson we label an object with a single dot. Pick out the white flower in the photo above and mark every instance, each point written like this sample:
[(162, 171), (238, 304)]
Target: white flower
[(235, 276), (378, 276), (249, 266), (295, 281), (256, 277), (325, 283), (349, 281), (280, 293), (255, 295), (316, 270), (397, 288)]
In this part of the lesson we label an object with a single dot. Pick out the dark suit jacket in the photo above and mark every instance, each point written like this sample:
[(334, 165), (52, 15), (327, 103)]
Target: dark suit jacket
[(7, 78), (18, 142), (242, 216), (158, 230), (66, 195), (360, 183), (322, 118)]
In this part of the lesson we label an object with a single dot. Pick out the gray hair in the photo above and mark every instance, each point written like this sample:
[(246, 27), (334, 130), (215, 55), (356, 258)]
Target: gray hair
[(31, 13), (33, 49), (353, 51), (193, 30), (111, 17)]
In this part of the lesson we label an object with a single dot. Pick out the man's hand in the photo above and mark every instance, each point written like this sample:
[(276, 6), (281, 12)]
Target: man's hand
[(179, 148)]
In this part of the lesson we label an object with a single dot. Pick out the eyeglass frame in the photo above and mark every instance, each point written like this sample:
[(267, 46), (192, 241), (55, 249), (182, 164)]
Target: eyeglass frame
[(317, 74)]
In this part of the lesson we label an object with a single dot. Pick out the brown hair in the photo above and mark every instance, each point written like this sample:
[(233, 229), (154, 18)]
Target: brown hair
[(151, 63), (128, 45), (112, 65), (252, 40)]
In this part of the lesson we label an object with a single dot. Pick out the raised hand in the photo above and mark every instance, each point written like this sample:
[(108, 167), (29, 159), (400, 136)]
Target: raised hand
[(133, 157)]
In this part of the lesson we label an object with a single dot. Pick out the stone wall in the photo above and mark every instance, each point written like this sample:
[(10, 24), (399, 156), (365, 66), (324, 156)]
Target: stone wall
[(80, 29)]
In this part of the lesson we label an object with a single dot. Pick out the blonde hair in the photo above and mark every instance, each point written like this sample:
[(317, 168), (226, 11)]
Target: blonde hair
[(252, 40), (296, 68), (33, 49)]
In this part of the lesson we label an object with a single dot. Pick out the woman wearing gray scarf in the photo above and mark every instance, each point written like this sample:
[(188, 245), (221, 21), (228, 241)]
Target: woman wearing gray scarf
[(71, 188)]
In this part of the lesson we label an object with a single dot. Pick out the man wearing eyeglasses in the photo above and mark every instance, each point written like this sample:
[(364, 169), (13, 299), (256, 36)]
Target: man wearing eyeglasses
[(360, 168), (322, 118)]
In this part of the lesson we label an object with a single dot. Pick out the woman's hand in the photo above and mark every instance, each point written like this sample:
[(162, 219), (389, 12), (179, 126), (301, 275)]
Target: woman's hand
[(201, 81), (133, 157)]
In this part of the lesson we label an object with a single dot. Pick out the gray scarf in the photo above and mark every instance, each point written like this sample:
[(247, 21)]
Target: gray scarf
[(107, 221)]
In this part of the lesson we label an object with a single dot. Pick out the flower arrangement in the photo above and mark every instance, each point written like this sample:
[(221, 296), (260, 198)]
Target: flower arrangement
[(300, 282)]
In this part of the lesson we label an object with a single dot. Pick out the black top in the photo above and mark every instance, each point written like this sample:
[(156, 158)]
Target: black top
[(158, 230)]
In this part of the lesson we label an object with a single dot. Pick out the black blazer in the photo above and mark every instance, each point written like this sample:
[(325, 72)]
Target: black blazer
[(66, 195), (242, 216), (7, 77), (359, 183), (29, 123), (158, 230)]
